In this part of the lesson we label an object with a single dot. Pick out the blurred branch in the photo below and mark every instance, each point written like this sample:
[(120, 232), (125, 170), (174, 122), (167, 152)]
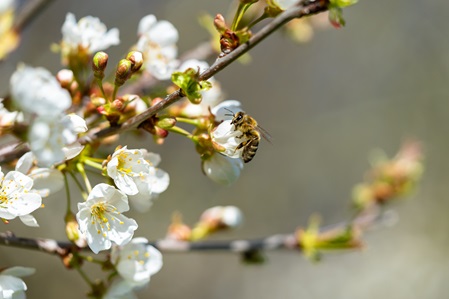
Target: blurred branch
[(305, 8), (30, 10), (275, 242)]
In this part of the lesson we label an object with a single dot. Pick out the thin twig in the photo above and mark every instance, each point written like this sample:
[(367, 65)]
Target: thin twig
[(370, 218), (30, 10), (306, 9), (60, 247)]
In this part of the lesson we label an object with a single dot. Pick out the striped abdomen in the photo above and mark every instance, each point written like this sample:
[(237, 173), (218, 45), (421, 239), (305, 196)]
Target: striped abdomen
[(250, 149)]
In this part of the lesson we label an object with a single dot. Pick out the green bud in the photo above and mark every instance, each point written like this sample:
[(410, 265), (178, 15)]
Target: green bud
[(166, 122), (99, 63), (336, 17)]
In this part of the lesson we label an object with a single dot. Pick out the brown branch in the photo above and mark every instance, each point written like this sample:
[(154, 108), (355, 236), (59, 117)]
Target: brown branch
[(367, 219), (30, 10), (305, 8)]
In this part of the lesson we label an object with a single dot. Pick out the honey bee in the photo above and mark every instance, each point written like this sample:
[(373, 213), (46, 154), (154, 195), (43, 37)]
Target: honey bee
[(249, 129)]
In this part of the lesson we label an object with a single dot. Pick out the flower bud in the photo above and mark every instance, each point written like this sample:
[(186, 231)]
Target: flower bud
[(161, 132), (136, 59), (118, 105), (123, 72), (166, 122), (65, 78), (220, 24), (72, 231), (99, 63)]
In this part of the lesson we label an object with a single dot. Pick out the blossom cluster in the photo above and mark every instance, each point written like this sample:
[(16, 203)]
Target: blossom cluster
[(54, 118)]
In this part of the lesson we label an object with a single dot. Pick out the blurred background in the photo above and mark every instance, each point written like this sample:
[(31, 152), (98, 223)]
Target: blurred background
[(327, 103)]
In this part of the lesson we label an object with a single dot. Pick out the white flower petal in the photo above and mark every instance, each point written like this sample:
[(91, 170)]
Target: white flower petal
[(101, 220), (29, 220), (36, 91), (19, 271), (222, 169), (25, 162)]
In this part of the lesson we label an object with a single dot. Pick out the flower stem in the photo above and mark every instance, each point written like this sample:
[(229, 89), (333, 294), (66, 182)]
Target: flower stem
[(67, 192), (82, 171), (114, 93), (100, 85), (256, 21), (194, 122), (83, 192), (180, 131), (239, 15), (85, 277), (93, 164)]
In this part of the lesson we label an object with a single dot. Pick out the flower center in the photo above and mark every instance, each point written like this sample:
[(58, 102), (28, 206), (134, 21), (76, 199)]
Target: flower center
[(122, 161)]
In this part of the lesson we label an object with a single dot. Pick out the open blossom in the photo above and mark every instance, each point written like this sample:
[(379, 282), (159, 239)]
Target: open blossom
[(101, 220), (225, 137), (89, 34), (11, 286), (52, 140), (36, 91), (157, 41), (137, 261), (134, 172), (16, 198), (46, 181)]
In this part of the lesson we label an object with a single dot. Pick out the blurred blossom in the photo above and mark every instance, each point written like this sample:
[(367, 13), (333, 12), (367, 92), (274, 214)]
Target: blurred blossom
[(157, 41), (53, 140), (137, 261), (8, 118), (89, 34), (222, 169), (9, 38), (36, 91), (120, 289), (101, 218), (16, 198), (134, 172), (46, 181), (11, 286), (222, 217)]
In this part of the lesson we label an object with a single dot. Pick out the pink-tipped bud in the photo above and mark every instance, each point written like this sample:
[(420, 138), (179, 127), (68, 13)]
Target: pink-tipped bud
[(123, 72), (220, 23), (65, 78), (136, 59)]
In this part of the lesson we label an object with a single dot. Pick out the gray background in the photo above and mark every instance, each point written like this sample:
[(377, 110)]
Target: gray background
[(327, 104)]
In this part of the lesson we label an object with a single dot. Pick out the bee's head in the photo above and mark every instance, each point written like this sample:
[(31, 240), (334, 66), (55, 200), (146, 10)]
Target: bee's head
[(238, 117)]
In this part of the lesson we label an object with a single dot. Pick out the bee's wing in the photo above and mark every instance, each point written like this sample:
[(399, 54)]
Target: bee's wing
[(264, 134)]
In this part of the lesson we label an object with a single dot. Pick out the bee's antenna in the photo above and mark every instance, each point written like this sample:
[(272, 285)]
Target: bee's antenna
[(232, 113)]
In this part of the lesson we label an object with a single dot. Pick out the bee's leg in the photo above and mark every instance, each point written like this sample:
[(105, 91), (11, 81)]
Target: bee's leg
[(242, 145)]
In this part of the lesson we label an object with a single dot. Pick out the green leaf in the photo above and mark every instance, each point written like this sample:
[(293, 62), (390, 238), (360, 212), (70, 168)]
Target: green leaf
[(191, 86)]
